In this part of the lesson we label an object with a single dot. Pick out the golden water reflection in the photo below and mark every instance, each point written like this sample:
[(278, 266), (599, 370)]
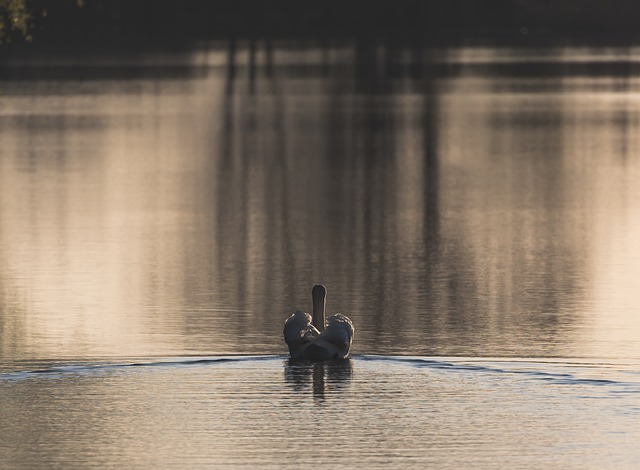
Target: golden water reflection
[(466, 211)]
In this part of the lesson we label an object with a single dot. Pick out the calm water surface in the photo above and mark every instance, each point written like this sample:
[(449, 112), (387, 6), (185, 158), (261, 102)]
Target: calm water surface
[(367, 412), (475, 211)]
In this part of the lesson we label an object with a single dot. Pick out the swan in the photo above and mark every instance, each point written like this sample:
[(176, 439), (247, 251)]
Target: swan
[(310, 338)]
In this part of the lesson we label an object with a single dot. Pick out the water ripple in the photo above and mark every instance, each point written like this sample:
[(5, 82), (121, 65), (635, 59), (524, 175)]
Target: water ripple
[(89, 368), (543, 371), (518, 368)]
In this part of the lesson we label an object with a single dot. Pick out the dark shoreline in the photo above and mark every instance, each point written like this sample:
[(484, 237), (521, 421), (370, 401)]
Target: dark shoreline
[(142, 25)]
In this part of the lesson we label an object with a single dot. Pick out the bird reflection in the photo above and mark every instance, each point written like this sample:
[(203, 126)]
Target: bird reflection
[(321, 376)]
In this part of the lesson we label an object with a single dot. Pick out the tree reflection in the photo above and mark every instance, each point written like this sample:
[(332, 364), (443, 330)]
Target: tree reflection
[(445, 216), (369, 192)]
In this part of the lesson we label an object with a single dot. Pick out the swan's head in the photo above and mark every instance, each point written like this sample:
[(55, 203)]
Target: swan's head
[(319, 291), (319, 294)]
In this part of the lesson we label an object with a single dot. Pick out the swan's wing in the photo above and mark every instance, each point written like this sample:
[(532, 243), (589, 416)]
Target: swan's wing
[(337, 336), (299, 333)]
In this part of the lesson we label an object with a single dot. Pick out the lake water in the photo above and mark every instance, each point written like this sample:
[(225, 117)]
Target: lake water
[(474, 210)]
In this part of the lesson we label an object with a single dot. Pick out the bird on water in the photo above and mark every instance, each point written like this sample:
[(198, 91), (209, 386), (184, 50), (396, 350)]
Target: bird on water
[(313, 338)]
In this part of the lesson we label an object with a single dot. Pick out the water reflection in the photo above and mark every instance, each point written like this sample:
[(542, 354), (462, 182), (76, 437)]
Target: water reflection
[(462, 201), (325, 377)]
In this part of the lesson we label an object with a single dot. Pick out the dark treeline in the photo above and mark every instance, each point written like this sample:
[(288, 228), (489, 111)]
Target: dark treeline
[(143, 23), (185, 20), (179, 21)]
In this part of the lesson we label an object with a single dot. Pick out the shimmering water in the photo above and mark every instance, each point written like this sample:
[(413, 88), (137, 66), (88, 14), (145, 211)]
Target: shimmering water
[(475, 211), (367, 412)]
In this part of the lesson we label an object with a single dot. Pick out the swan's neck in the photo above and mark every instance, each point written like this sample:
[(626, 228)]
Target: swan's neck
[(319, 294)]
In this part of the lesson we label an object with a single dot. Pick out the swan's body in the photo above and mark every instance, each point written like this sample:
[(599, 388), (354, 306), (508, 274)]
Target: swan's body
[(309, 338)]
